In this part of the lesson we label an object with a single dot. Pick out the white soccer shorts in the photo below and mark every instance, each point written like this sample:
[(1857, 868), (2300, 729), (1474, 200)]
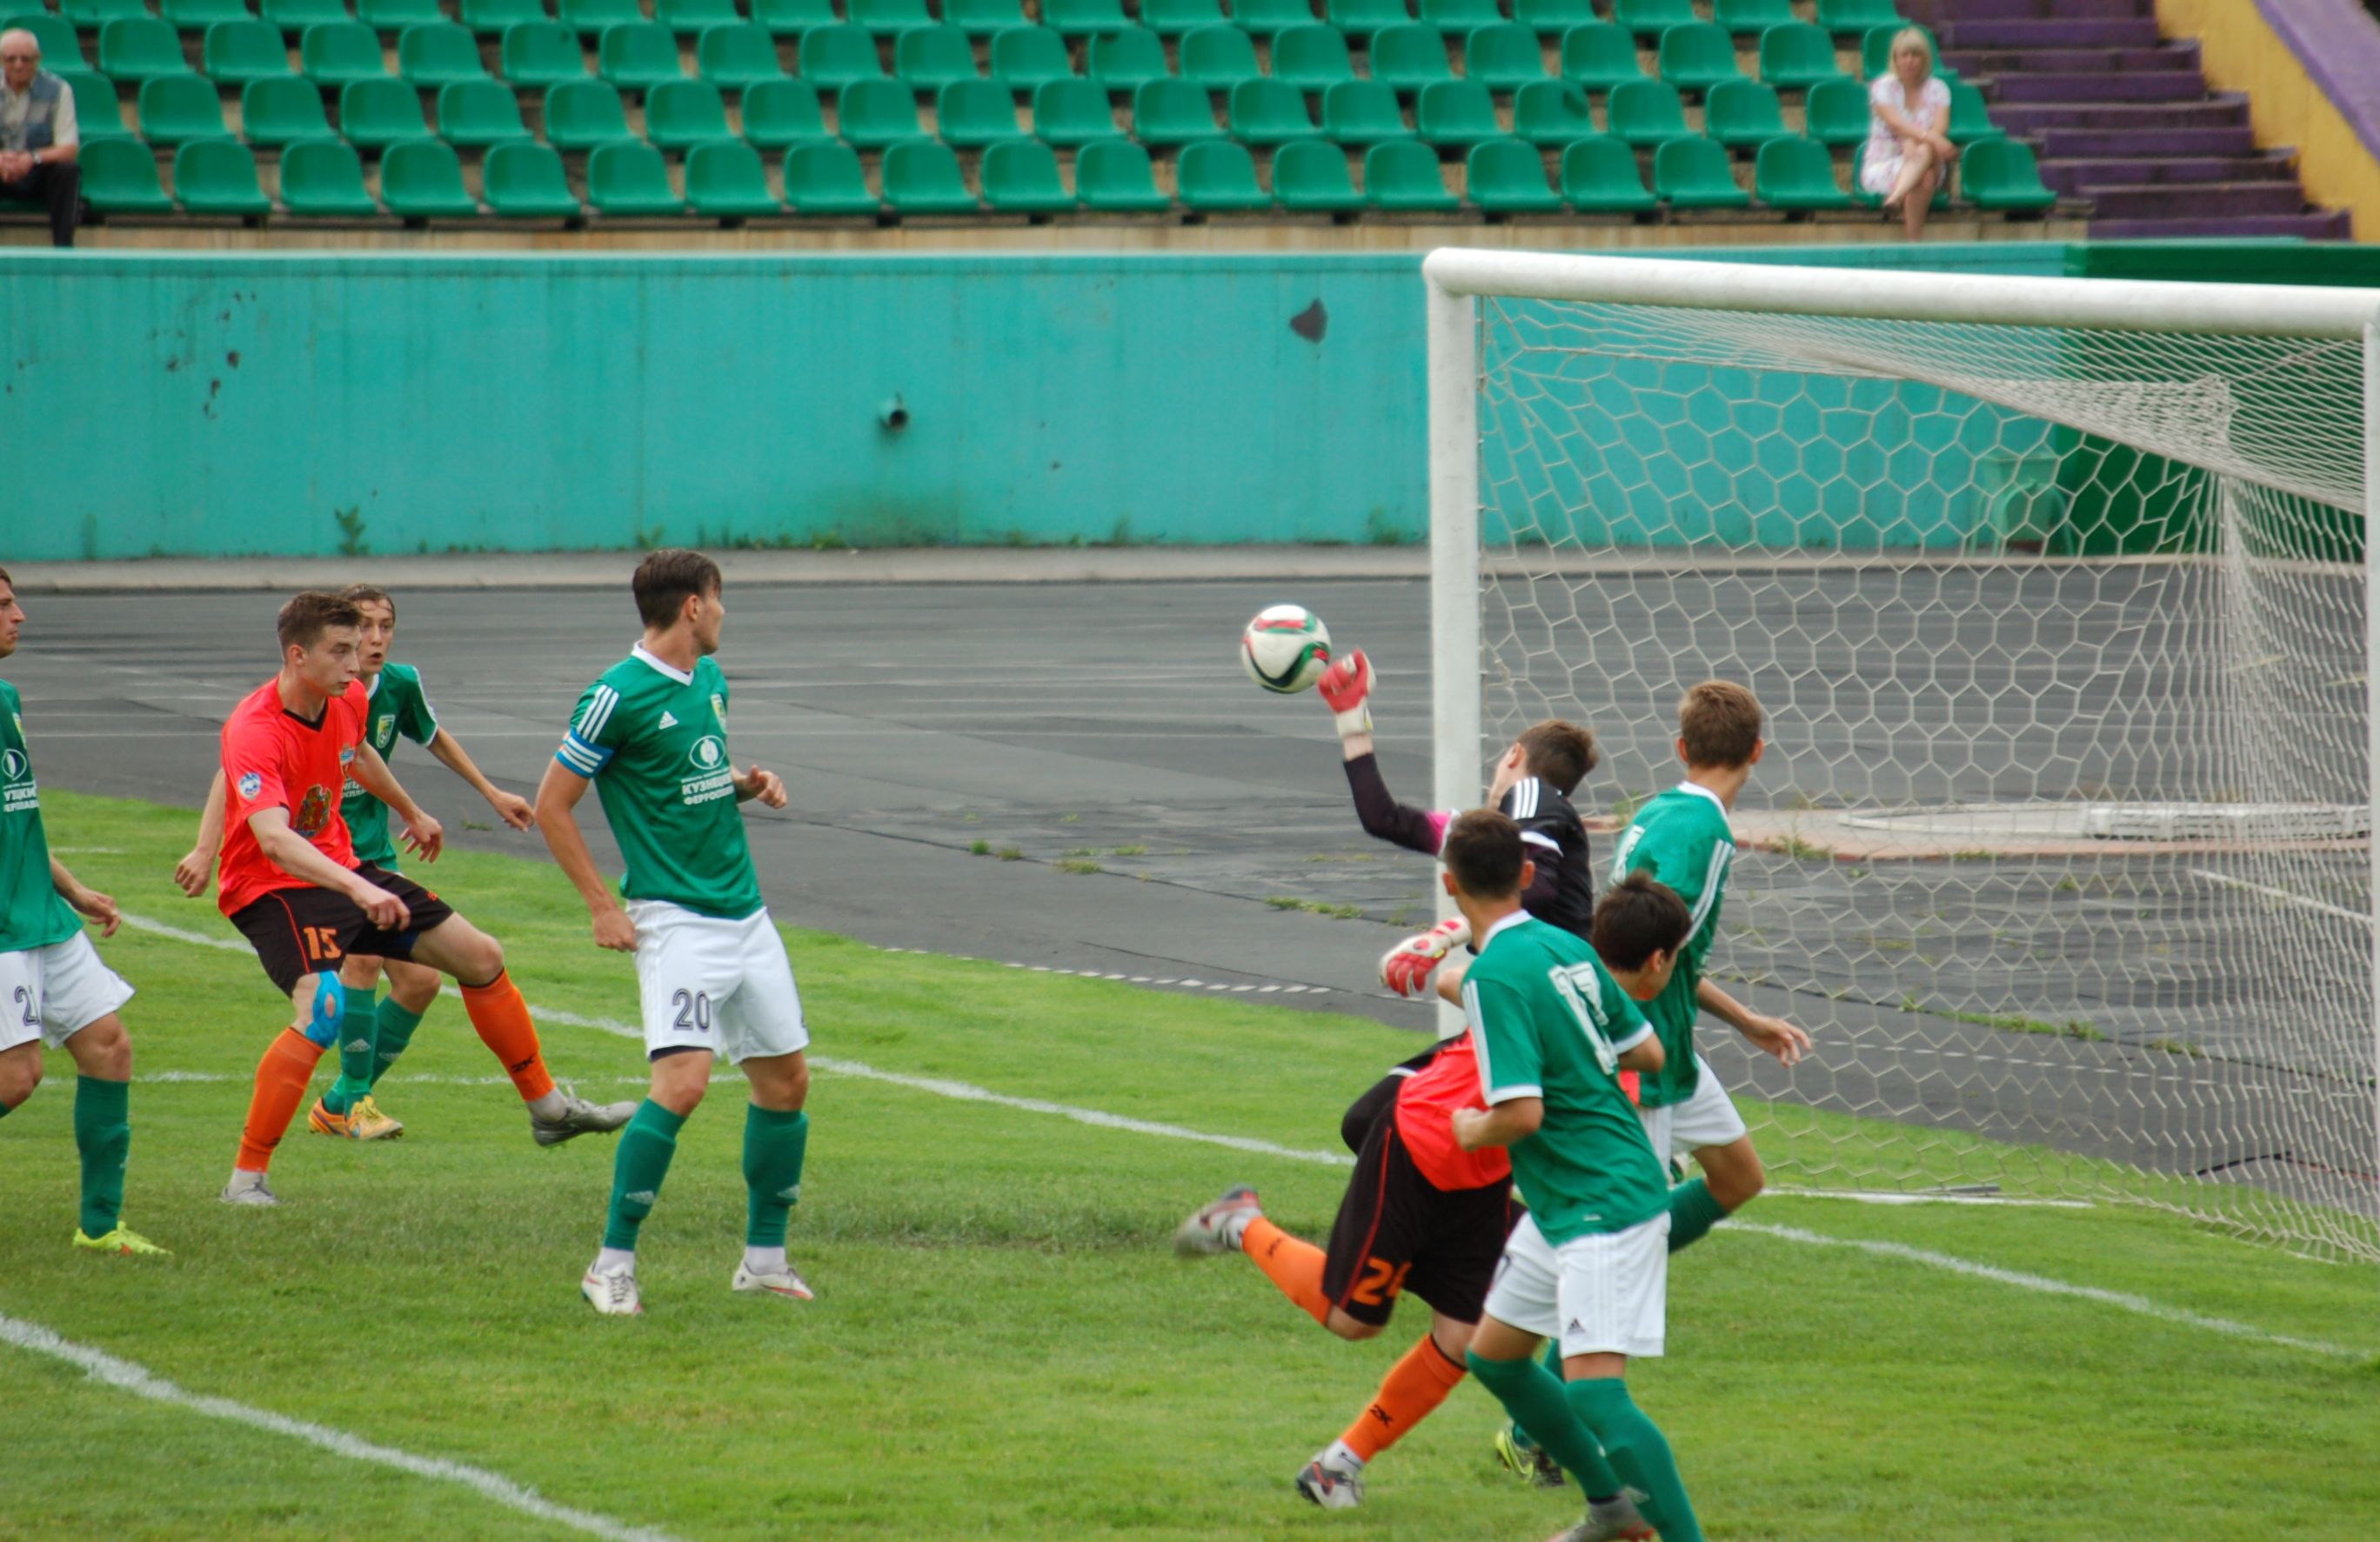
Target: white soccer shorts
[(55, 992), (707, 984), (1603, 1293), (1706, 1119)]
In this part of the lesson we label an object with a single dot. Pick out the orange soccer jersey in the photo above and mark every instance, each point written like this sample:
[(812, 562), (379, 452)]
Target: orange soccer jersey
[(273, 758)]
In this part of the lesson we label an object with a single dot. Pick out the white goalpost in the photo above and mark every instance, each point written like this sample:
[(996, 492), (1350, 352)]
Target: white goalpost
[(2055, 594)]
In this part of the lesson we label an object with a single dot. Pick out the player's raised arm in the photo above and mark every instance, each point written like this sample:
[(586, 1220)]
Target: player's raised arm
[(1346, 688), (557, 821), (198, 864), (510, 808), (422, 834)]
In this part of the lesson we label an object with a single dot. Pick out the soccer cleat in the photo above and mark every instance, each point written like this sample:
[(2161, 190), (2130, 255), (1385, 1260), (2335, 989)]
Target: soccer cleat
[(1528, 1462), (578, 1117), (248, 1188), (124, 1242), (787, 1283), (613, 1292), (1614, 1520), (1216, 1228), (363, 1120), (1328, 1486)]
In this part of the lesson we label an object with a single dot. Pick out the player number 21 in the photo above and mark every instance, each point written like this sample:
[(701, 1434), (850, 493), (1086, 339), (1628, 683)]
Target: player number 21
[(1581, 991)]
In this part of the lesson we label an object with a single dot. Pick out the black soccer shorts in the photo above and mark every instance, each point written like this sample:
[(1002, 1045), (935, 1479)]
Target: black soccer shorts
[(298, 931)]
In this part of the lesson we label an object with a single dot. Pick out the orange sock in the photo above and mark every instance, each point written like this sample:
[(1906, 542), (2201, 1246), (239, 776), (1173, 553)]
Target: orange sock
[(1414, 1386), (1293, 1265), (501, 1018), (281, 1078)]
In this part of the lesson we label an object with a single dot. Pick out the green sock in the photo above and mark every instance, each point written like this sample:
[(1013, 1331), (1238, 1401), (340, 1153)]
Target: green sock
[(1693, 1212), (356, 1031), (103, 1126), (1552, 1359), (393, 1031), (774, 1143), (637, 1169), (1534, 1397), (1640, 1453)]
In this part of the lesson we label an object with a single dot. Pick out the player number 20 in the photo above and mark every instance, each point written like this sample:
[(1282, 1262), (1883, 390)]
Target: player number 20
[(1581, 991), (693, 1009)]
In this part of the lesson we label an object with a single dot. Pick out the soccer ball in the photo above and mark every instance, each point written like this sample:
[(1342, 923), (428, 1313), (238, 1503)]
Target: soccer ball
[(1286, 649)]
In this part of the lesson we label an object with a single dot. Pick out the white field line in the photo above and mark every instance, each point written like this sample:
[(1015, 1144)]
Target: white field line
[(2325, 906), (1889, 1197), (124, 1375)]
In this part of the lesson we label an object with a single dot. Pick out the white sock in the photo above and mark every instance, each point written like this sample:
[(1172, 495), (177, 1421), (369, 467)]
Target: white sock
[(1236, 1225), (615, 1260), (550, 1105), (765, 1261), (1343, 1458), (241, 1178)]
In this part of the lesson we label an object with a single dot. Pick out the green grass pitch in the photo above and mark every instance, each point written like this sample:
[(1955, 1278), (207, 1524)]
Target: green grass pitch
[(1003, 1343)]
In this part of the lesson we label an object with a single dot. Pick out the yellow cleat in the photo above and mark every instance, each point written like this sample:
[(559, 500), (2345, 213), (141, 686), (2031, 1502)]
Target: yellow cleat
[(363, 1120), (124, 1242)]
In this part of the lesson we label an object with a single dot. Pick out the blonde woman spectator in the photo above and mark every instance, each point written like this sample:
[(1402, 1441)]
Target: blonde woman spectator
[(1909, 152)]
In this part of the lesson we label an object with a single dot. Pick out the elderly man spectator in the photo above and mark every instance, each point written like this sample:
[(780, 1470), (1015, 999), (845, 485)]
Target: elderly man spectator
[(38, 143)]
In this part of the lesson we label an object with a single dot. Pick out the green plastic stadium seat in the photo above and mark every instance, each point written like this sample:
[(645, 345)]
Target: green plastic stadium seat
[(694, 18), (1875, 51), (833, 57), (394, 15), (1970, 118), (1551, 113), (1268, 112), (1647, 112), (2002, 173), (281, 110), (1309, 176), (639, 55), (1697, 174), (1363, 112), (1410, 56), (1364, 17), (492, 17), (1401, 175), (1113, 176), (985, 17), (294, 16), (630, 181), (1857, 16), (1796, 54), (1599, 177), (196, 15), (1020, 176), (421, 180), (932, 57), (1072, 112), (1079, 18), (1265, 17), (1742, 112), (525, 181), (1860, 195), (1836, 112), (380, 112), (1794, 173), (1752, 16), (1311, 57), (1025, 59), (1123, 62), (975, 113), (594, 18), (779, 114), (439, 53), (174, 108), (97, 113), (1173, 112), (824, 177), (888, 15), (479, 113), (141, 48), (1553, 17), (218, 176), (323, 179), (875, 113), (1598, 55), (725, 181), (738, 57), (792, 18), (61, 46), (1504, 57), (1218, 57), (1457, 112), (1173, 17), (1505, 176), (238, 52), (1219, 177), (580, 114), (921, 176), (1653, 18), (338, 52), (1698, 56), (120, 176), (92, 15), (1464, 17), (682, 113)]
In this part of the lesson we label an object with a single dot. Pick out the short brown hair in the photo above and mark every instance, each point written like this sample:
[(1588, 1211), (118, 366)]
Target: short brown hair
[(6, 579), (1483, 851), (1558, 752), (668, 578), (1637, 917), (309, 616), (368, 594), (1720, 721)]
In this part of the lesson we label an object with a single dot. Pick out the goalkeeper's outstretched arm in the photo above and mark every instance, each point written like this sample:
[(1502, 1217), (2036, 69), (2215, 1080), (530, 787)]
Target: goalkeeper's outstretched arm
[(1346, 689)]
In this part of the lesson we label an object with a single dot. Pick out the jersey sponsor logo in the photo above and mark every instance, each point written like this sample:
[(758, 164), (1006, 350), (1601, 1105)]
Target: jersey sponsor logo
[(13, 767), (250, 783), (713, 778), (313, 812), (709, 753), (20, 792), (669, 719)]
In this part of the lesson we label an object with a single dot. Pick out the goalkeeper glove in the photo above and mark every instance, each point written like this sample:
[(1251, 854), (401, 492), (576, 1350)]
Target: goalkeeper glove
[(1346, 688), (1406, 967)]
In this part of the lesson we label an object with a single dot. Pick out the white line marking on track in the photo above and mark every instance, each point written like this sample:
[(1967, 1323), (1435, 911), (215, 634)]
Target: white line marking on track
[(2267, 889), (124, 1375)]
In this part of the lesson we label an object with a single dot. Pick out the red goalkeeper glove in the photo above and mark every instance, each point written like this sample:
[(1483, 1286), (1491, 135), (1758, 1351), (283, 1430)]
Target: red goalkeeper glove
[(1406, 967), (1346, 688)]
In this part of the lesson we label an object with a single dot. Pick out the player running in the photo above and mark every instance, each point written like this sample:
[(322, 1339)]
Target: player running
[(1552, 1024), (711, 972), (371, 1035), (292, 885), (54, 989)]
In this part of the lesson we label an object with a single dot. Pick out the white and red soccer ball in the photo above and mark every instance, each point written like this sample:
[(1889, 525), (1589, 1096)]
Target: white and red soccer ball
[(1286, 649)]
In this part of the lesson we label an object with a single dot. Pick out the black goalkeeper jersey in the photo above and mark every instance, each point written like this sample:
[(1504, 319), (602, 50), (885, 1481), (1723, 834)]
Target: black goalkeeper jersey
[(1563, 892)]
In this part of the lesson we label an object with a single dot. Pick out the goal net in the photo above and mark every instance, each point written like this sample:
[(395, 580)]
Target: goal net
[(2054, 592)]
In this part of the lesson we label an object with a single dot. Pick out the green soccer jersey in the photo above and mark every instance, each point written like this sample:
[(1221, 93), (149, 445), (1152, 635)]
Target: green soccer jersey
[(1549, 1022), (653, 739), (397, 707), (1682, 839), (32, 912)]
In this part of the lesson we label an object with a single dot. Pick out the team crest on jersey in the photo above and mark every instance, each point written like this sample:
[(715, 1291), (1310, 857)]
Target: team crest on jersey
[(250, 783), (719, 708), (313, 812), (385, 731), (347, 754)]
